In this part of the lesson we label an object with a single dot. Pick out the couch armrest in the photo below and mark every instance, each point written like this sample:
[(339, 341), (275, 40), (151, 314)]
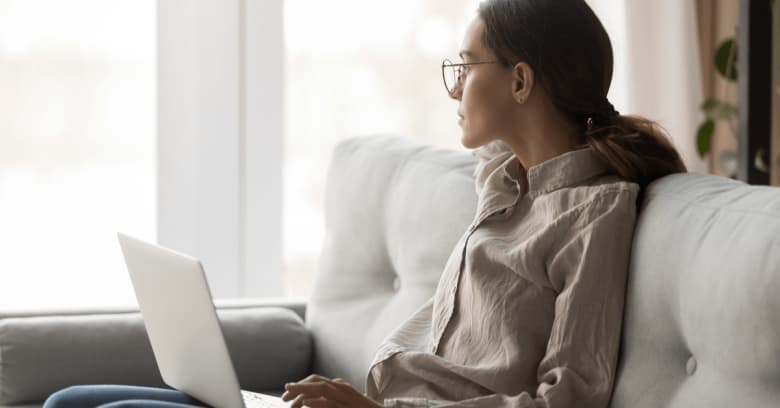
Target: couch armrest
[(40, 353)]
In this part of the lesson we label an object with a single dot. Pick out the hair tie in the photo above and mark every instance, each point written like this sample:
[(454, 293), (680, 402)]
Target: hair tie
[(605, 112)]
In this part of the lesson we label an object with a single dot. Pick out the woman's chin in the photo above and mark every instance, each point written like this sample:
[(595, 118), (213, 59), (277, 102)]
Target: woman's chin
[(469, 142)]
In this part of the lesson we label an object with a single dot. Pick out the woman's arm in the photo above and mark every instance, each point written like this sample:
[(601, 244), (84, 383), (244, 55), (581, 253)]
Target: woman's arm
[(578, 369)]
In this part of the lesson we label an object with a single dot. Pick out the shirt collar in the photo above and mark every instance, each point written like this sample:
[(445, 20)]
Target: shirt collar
[(567, 169)]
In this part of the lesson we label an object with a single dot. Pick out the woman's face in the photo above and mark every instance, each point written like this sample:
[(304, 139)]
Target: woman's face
[(485, 92)]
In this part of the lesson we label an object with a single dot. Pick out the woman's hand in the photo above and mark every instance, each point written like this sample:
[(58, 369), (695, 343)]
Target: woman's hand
[(320, 392)]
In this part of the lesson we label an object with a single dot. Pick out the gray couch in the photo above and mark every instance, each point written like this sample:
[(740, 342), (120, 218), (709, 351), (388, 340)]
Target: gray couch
[(702, 322)]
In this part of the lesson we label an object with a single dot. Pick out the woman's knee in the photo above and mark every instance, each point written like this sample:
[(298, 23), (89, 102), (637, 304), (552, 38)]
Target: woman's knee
[(139, 403), (80, 396), (71, 397)]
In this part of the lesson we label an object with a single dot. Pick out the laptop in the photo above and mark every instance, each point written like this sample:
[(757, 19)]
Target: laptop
[(183, 328)]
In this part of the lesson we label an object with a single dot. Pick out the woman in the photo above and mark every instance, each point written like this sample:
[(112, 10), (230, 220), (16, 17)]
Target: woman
[(529, 307)]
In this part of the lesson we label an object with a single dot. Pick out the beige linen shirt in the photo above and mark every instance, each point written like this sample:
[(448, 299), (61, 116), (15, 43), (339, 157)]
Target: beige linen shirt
[(529, 307)]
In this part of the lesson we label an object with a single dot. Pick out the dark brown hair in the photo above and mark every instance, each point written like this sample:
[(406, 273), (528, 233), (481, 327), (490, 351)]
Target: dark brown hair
[(570, 52)]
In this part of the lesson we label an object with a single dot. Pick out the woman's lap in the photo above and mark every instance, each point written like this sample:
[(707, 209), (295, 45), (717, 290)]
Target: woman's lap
[(116, 396)]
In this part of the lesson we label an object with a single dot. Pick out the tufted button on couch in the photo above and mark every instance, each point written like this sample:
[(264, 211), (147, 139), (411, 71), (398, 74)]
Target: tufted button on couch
[(701, 326)]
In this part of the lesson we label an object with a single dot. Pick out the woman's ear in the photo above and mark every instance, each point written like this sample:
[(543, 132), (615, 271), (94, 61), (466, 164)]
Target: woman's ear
[(522, 81)]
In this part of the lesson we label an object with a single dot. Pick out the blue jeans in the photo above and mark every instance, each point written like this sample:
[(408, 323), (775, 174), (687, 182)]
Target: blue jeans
[(119, 396)]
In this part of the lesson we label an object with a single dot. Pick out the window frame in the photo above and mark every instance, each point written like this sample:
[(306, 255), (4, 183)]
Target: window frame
[(220, 137)]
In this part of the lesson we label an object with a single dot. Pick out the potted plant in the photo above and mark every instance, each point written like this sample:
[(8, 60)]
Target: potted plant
[(725, 61)]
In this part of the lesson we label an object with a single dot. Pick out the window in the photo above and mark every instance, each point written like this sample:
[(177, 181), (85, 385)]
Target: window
[(81, 157), (77, 148), (355, 68)]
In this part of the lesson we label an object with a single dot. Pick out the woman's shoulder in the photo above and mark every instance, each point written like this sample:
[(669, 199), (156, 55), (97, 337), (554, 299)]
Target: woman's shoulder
[(610, 184), (589, 201), (598, 188)]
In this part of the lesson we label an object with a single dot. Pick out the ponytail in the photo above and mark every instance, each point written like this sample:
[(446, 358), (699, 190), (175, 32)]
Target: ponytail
[(636, 148)]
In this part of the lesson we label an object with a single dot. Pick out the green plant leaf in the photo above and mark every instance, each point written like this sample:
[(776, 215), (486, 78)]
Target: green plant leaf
[(726, 59), (758, 162), (715, 109), (704, 137)]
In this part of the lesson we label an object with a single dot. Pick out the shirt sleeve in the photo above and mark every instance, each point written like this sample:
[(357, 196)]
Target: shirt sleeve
[(589, 272)]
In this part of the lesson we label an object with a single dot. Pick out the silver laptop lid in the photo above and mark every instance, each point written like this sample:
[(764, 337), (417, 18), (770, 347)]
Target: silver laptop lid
[(181, 322)]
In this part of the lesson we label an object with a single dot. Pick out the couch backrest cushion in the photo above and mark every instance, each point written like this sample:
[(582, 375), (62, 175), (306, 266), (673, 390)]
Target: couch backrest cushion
[(394, 210), (702, 320)]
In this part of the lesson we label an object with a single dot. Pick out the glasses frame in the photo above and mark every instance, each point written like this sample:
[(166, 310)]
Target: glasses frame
[(447, 64)]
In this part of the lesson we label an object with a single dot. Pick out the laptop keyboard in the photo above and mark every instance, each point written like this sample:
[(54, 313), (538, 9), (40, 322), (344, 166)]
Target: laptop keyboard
[(255, 400)]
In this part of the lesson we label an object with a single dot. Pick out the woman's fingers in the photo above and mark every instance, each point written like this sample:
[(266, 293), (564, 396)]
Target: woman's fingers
[(326, 394), (314, 378), (314, 390), (297, 402), (311, 378), (320, 402)]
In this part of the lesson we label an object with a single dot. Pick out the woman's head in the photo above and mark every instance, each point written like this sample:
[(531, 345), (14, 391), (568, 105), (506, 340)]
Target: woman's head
[(560, 48), (564, 43)]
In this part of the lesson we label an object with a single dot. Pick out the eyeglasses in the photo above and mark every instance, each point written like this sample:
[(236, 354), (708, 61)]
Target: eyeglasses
[(453, 73)]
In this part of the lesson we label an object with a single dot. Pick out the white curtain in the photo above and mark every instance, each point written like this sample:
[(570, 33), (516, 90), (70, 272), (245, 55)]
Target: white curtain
[(657, 67)]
